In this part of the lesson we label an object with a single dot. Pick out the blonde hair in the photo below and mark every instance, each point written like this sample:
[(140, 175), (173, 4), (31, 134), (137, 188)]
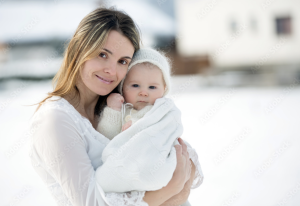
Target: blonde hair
[(85, 44)]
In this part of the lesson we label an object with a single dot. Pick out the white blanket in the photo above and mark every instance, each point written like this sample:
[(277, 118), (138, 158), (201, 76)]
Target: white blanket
[(143, 157)]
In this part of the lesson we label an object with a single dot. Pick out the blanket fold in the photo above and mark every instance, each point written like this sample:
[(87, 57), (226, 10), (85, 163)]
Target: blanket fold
[(143, 157)]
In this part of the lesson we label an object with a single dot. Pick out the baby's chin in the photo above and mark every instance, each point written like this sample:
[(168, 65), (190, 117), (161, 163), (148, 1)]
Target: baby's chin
[(140, 105)]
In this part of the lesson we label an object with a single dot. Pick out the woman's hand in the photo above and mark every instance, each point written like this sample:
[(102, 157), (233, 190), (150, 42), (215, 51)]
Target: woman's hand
[(115, 101), (180, 177), (183, 195), (183, 168)]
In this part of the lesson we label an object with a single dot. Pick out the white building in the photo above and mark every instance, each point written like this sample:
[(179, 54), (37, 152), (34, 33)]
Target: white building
[(240, 33)]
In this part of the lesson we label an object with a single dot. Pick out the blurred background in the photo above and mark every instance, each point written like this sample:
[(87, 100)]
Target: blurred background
[(236, 73)]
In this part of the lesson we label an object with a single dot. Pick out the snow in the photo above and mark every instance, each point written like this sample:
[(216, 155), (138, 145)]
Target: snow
[(246, 139)]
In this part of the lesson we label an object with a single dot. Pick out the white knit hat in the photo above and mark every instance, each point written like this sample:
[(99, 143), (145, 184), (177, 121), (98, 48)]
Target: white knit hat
[(154, 57)]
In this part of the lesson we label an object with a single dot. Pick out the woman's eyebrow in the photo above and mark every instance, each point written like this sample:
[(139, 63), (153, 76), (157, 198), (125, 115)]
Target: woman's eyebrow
[(126, 57), (107, 51)]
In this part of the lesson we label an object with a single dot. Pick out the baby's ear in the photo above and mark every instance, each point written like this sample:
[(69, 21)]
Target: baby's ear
[(165, 90)]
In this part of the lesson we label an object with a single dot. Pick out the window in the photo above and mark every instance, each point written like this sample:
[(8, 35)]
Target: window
[(283, 25)]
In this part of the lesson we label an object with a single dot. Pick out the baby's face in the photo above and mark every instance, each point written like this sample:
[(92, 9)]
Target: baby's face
[(143, 85)]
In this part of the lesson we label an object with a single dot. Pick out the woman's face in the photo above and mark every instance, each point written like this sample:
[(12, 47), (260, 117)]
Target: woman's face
[(105, 71)]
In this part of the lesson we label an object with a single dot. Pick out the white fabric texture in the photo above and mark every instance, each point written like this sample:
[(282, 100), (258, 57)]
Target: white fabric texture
[(143, 157), (113, 117), (110, 123), (66, 153)]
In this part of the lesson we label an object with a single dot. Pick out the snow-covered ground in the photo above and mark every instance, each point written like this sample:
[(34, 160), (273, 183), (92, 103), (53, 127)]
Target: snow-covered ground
[(246, 139)]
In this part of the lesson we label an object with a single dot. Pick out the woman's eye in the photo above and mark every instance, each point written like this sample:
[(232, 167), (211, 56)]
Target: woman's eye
[(135, 85), (102, 55), (152, 87), (123, 62)]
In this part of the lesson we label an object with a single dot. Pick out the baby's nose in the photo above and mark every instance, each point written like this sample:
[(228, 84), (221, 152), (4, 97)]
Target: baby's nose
[(143, 93)]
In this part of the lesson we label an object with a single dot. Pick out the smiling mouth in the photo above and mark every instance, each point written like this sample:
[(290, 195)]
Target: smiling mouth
[(104, 80)]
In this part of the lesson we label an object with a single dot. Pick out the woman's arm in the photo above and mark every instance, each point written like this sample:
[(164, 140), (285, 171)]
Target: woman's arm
[(183, 195), (194, 182), (180, 176), (62, 154), (157, 197), (198, 178), (62, 151)]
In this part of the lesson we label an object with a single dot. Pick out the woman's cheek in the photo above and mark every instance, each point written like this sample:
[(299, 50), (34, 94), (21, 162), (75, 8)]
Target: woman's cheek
[(124, 74)]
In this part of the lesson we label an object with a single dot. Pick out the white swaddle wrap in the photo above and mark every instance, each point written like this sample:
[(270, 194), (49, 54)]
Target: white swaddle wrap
[(143, 157)]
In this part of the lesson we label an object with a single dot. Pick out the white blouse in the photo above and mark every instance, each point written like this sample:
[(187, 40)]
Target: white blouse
[(66, 152)]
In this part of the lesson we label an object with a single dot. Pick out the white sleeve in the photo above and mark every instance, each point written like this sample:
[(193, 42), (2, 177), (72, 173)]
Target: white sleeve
[(134, 198), (198, 179), (63, 152), (110, 122)]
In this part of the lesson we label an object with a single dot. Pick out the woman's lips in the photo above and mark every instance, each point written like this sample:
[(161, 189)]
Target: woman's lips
[(106, 81)]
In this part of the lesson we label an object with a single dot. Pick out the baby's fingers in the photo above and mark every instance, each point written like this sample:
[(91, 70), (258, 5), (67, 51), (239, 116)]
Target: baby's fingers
[(123, 128), (126, 125), (121, 98)]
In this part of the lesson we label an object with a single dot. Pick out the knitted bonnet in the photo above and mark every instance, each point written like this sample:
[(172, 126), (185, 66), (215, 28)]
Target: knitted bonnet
[(154, 57)]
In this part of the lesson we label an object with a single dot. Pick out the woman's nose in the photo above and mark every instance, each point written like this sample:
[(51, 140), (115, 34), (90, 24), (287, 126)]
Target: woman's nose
[(111, 69), (143, 93)]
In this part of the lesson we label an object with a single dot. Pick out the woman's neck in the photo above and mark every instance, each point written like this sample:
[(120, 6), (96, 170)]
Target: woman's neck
[(85, 103)]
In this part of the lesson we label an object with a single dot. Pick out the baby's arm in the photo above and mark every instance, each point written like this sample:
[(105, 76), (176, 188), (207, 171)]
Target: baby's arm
[(110, 122)]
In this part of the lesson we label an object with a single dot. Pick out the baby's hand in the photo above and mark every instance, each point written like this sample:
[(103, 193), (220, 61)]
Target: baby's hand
[(115, 101), (126, 125)]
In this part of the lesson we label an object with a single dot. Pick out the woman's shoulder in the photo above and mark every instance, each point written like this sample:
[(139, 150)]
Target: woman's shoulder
[(56, 110), (57, 106), (58, 113)]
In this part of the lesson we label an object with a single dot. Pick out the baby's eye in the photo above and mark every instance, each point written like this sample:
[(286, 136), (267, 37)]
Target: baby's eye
[(103, 55), (152, 87), (123, 62), (135, 85)]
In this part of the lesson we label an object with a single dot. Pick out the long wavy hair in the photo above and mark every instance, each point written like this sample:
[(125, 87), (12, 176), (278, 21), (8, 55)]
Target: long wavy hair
[(90, 35)]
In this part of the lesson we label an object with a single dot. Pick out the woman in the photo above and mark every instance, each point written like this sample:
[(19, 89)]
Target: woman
[(66, 149)]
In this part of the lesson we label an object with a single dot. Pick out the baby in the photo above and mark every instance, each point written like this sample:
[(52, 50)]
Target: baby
[(147, 80)]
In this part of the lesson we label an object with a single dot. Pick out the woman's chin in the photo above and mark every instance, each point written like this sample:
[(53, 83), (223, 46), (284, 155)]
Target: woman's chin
[(103, 92)]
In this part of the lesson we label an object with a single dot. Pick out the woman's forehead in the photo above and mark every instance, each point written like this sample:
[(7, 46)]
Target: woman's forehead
[(118, 45)]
